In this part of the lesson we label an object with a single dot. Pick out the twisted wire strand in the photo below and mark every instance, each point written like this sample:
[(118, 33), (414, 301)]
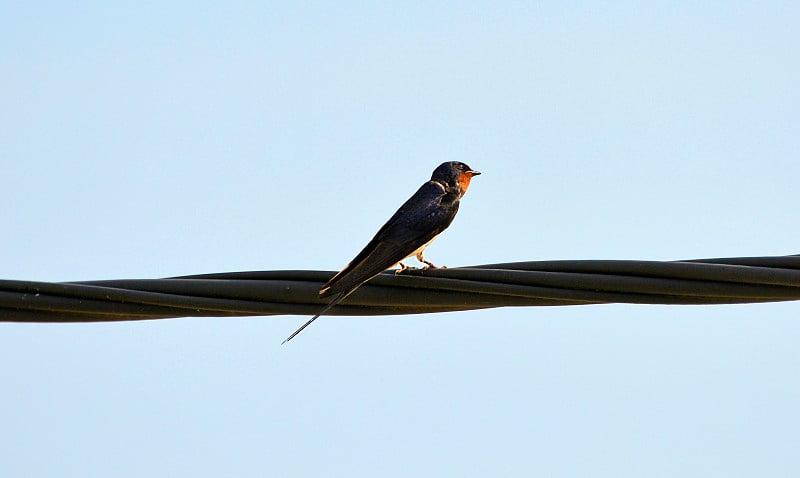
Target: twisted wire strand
[(538, 283)]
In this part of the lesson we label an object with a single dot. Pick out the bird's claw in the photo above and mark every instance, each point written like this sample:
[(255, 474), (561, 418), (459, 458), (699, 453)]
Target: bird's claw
[(403, 268)]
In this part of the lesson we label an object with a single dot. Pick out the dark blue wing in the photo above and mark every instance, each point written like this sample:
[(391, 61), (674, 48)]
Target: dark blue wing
[(418, 221)]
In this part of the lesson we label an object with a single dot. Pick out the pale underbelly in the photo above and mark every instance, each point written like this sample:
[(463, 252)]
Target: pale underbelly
[(417, 251)]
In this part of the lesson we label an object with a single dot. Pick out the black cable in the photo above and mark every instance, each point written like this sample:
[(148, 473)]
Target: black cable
[(540, 283)]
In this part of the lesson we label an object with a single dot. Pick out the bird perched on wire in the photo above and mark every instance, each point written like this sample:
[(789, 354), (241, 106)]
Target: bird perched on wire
[(407, 233)]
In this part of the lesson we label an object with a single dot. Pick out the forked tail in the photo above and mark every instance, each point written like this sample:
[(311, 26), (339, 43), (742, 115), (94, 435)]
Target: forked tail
[(328, 307)]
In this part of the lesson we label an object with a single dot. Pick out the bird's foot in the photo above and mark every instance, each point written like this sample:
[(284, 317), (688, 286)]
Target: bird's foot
[(403, 268), (431, 265)]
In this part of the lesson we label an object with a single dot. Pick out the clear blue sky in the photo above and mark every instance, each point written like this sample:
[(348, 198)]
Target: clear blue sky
[(144, 140)]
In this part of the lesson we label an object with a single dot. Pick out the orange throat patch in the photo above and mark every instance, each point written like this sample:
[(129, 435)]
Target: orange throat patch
[(463, 181)]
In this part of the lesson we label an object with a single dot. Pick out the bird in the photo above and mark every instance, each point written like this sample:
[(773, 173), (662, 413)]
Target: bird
[(407, 233)]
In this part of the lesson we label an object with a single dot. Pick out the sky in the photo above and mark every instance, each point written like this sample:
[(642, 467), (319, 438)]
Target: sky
[(155, 139)]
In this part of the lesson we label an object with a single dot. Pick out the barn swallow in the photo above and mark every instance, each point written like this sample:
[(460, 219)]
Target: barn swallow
[(407, 233)]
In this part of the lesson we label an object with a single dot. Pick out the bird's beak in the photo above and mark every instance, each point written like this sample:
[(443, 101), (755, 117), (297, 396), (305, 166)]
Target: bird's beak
[(474, 173)]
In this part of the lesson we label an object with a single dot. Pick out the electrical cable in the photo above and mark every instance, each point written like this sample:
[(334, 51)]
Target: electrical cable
[(538, 283)]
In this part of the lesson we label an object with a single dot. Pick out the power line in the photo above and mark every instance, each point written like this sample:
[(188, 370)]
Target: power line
[(539, 283)]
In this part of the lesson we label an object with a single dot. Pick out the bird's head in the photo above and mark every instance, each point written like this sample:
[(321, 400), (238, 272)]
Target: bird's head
[(454, 176)]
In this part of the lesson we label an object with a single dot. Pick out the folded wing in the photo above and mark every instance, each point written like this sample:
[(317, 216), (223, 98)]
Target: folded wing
[(423, 217)]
